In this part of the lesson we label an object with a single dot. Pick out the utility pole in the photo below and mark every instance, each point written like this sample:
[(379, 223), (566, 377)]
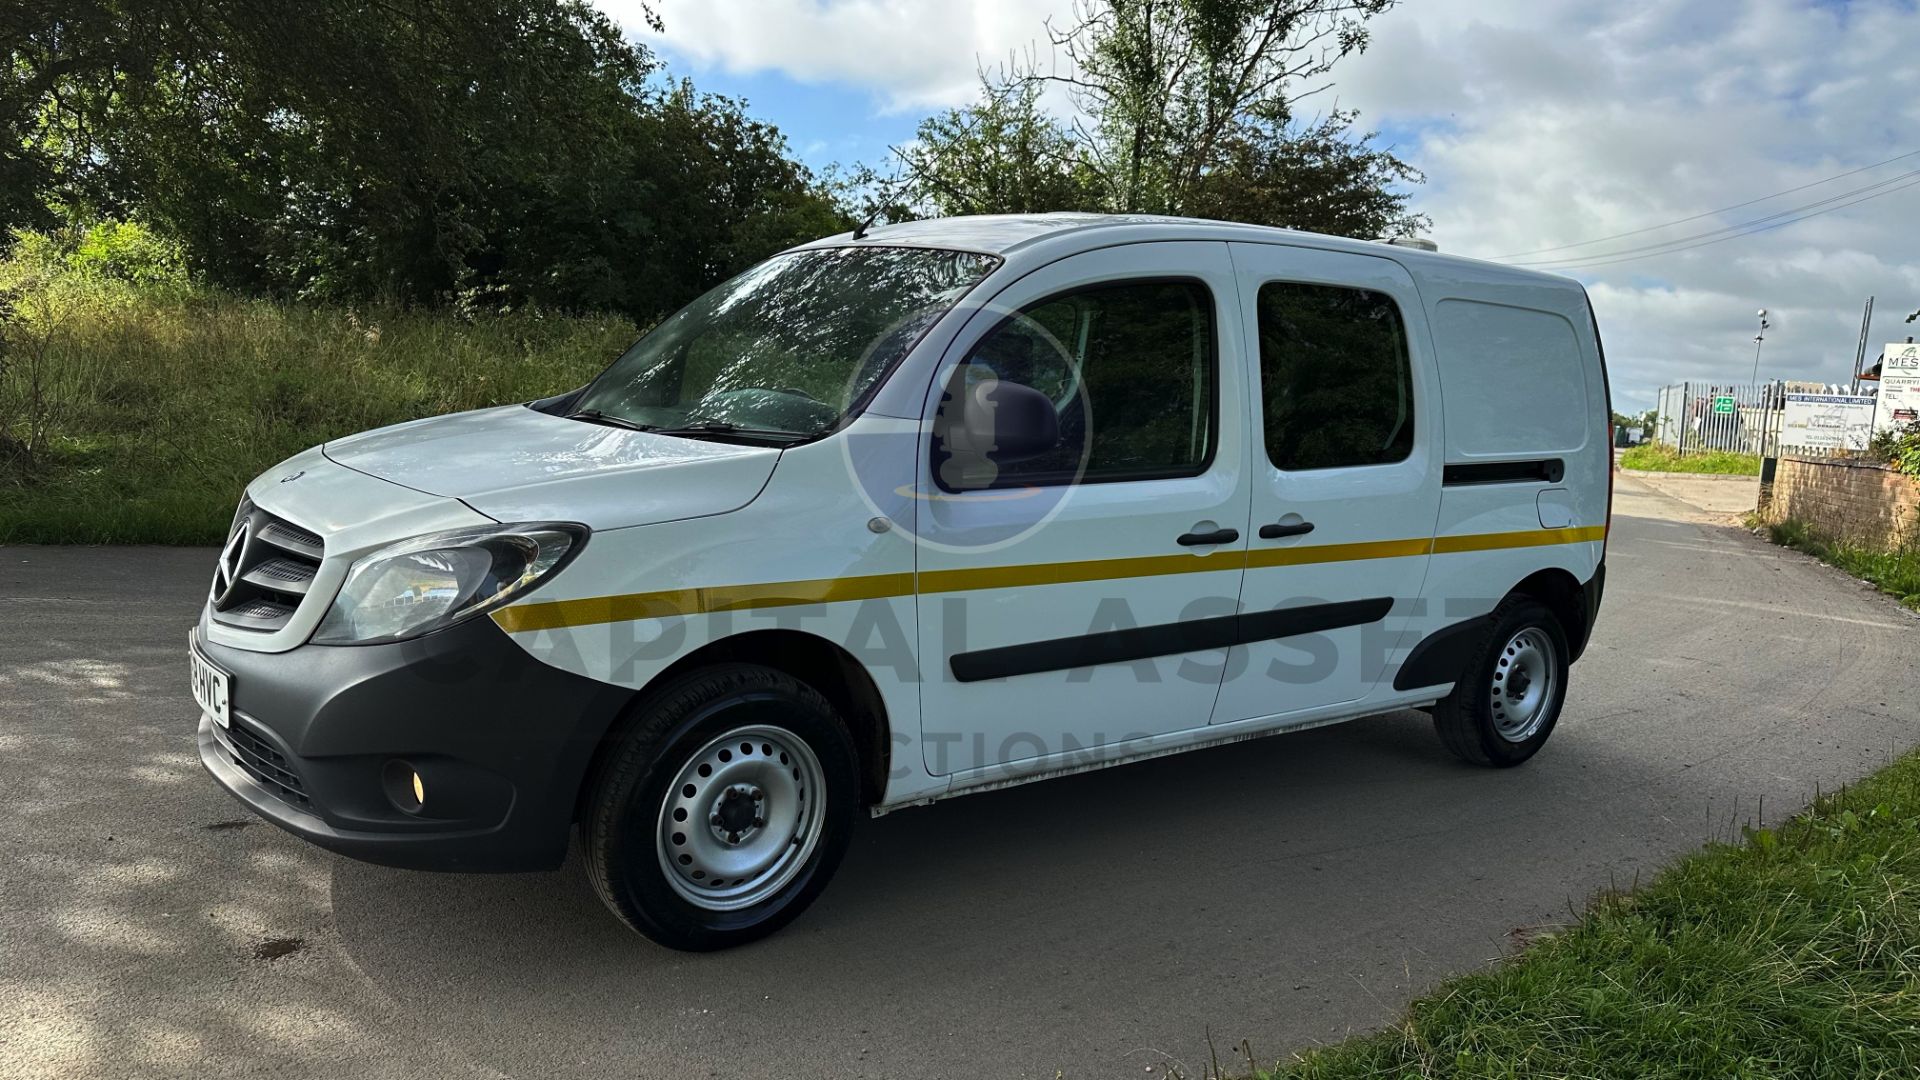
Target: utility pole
[(1860, 354), (1758, 339)]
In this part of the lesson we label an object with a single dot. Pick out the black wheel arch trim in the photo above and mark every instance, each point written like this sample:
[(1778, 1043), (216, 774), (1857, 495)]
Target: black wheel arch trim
[(1441, 656)]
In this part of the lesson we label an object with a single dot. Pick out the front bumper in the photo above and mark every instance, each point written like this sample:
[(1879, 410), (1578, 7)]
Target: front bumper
[(501, 741)]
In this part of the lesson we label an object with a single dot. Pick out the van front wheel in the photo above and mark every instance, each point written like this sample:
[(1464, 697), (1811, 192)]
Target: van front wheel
[(1508, 700), (723, 810)]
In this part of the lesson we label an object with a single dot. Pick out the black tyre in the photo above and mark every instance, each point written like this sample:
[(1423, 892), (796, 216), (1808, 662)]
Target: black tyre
[(1507, 701), (723, 809)]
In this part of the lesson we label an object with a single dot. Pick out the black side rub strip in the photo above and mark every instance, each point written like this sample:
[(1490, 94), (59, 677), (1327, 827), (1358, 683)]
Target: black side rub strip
[(1165, 639), (1504, 472)]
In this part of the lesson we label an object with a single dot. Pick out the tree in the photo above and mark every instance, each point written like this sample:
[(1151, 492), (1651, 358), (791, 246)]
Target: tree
[(1182, 107), (689, 191), (1648, 420), (1005, 155), (1319, 177), (493, 151)]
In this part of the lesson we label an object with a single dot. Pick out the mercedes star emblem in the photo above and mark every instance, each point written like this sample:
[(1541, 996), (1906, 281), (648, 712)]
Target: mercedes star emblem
[(226, 574)]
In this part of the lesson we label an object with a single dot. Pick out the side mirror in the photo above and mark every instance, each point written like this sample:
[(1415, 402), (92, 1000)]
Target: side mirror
[(999, 423)]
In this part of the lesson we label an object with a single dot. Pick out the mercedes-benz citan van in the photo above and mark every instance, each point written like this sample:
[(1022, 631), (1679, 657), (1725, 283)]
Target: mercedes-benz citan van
[(892, 517)]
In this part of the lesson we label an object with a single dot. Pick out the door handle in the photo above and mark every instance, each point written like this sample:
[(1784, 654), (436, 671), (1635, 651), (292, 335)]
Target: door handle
[(1275, 532), (1217, 536)]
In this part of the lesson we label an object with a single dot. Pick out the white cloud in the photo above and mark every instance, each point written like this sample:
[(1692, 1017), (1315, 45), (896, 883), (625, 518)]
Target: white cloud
[(1538, 123), (913, 54), (1542, 124)]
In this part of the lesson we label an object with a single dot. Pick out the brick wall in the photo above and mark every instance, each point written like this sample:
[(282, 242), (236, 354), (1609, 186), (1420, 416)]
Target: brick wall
[(1868, 505)]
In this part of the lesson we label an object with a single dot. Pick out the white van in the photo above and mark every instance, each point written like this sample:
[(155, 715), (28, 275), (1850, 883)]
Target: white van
[(892, 517)]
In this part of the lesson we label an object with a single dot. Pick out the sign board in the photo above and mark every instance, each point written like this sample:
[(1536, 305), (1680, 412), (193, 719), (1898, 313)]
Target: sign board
[(1827, 422), (1899, 387), (1723, 404)]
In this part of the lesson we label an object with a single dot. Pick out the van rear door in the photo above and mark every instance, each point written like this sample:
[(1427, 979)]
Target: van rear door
[(1345, 469)]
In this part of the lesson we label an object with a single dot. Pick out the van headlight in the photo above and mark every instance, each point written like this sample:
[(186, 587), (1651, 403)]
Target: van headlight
[(431, 582)]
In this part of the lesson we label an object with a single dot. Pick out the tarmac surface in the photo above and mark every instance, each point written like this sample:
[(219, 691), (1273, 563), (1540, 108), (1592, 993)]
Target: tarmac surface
[(1286, 891)]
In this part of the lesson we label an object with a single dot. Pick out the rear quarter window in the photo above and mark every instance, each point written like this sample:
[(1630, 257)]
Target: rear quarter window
[(1511, 380)]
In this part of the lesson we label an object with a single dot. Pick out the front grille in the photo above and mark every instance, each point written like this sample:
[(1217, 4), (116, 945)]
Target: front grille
[(264, 572), (290, 537), (267, 766), (278, 572), (254, 614)]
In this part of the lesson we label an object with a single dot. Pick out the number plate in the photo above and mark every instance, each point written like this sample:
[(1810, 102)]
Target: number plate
[(210, 684)]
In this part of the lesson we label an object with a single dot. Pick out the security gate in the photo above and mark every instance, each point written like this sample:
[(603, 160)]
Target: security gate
[(1740, 417)]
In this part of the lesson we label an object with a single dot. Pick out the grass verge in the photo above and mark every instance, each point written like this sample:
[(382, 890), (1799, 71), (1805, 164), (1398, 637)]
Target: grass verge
[(1794, 952), (1657, 457), (1894, 572), (160, 404)]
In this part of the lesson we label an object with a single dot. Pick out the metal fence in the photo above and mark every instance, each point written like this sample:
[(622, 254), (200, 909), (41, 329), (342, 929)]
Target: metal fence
[(1741, 417)]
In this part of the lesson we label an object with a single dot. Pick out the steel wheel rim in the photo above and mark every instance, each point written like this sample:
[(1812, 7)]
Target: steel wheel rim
[(1525, 677), (742, 817)]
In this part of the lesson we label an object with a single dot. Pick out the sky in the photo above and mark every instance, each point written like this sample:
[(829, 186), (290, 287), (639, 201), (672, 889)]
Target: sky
[(1538, 123)]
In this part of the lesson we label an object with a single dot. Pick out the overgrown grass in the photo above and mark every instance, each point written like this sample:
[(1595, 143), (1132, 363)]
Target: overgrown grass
[(1793, 953), (1658, 457), (1896, 572), (165, 401)]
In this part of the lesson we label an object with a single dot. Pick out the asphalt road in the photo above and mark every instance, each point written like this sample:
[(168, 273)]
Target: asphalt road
[(1285, 891)]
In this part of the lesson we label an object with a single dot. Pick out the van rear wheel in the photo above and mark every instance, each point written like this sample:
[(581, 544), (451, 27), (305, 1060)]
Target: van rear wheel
[(723, 809), (1506, 703)]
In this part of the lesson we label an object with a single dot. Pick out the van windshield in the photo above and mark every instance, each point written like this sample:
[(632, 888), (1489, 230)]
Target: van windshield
[(785, 349)]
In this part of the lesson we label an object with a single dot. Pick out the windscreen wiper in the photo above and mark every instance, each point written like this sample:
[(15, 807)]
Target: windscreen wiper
[(693, 430), (722, 427), (595, 416)]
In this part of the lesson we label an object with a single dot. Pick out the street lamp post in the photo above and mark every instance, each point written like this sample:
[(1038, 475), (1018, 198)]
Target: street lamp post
[(1766, 398)]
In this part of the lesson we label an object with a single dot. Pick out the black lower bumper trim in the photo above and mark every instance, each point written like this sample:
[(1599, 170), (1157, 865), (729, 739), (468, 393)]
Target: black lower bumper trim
[(500, 741), (1592, 593), (435, 852)]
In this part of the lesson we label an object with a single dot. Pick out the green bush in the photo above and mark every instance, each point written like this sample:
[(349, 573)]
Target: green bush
[(159, 401), (1898, 447), (1794, 952), (124, 251), (1895, 572), (1657, 457)]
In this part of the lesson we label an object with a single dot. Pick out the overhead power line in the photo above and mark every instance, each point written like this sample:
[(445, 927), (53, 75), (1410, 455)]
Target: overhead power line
[(1709, 213), (1599, 261), (1796, 213)]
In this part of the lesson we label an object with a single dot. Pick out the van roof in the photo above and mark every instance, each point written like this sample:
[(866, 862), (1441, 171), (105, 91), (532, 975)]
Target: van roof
[(1008, 234)]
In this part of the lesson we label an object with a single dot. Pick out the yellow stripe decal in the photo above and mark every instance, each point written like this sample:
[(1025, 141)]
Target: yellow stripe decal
[(1444, 545), (591, 611), (1014, 577), (1325, 553), (660, 605)]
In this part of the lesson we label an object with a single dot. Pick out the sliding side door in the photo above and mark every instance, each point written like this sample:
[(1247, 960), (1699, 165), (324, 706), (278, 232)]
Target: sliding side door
[(1346, 470)]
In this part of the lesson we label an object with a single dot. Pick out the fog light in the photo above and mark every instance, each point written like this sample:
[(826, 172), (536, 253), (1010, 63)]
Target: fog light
[(405, 788)]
